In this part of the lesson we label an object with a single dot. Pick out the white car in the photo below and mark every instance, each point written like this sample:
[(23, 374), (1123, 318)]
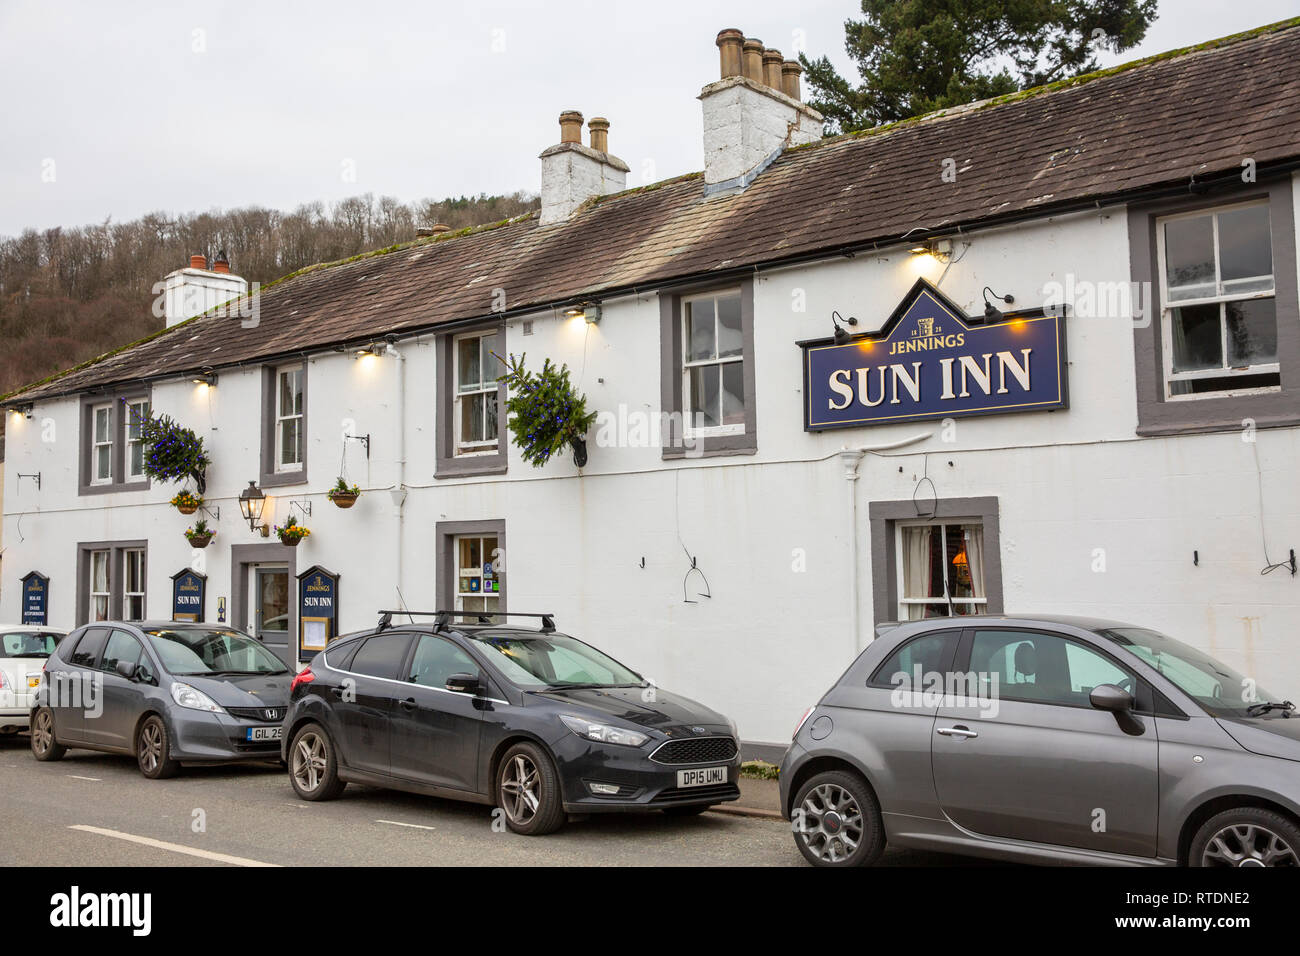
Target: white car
[(23, 650)]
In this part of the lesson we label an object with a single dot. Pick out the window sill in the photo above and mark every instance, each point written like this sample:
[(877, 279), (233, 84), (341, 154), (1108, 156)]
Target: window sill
[(469, 466), (113, 487), (279, 479)]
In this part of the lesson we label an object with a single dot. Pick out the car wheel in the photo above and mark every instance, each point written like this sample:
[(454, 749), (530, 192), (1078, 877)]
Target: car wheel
[(153, 750), (528, 790), (1249, 836), (693, 811), (837, 821), (44, 744), (313, 766)]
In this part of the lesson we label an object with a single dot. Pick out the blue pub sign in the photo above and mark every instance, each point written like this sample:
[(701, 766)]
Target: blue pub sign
[(318, 611), (189, 595), (932, 361), (36, 598)]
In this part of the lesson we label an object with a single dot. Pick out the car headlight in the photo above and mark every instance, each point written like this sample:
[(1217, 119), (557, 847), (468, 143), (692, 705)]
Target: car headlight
[(603, 733), (195, 699)]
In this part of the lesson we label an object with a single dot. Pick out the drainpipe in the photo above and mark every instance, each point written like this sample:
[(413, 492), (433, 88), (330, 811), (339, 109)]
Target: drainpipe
[(851, 458), (398, 490)]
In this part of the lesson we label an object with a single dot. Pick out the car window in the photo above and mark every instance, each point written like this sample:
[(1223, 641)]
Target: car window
[(555, 660), (436, 659), (86, 653), (28, 644), (121, 647), (194, 651), (381, 655), (930, 653), (1043, 668)]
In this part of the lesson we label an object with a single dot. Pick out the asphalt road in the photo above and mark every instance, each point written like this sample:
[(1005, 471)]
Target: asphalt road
[(97, 810)]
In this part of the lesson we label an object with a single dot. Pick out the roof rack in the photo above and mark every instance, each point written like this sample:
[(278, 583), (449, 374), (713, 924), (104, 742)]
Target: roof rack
[(443, 618)]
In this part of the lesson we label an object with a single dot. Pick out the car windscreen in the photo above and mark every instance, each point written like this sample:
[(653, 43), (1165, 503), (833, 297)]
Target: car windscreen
[(1214, 685), (553, 660), (35, 644), (195, 651)]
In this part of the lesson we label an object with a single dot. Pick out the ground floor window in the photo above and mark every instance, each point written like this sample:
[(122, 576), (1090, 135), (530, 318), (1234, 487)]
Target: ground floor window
[(940, 569), (133, 595), (112, 581), (477, 586), (99, 593)]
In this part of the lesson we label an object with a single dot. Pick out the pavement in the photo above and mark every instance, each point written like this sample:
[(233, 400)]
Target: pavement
[(94, 809)]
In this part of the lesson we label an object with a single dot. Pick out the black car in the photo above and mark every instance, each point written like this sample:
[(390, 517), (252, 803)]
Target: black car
[(529, 720)]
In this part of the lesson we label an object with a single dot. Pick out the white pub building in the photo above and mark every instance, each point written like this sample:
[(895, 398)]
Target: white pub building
[(1039, 354)]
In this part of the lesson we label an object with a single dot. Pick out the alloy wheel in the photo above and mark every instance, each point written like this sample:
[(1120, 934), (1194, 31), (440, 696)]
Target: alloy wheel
[(1248, 844), (832, 823), (151, 744), (43, 732), (309, 761), (519, 787)]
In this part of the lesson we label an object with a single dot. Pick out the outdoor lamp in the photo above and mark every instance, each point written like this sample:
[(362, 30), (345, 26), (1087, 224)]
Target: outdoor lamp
[(585, 310), (251, 502), (206, 377), (841, 334), (991, 312)]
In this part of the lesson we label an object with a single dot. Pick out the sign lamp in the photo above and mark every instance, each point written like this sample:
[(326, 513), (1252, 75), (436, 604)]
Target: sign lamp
[(251, 502)]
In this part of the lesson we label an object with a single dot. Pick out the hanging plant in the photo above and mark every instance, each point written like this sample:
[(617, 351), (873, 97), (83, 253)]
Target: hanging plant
[(292, 532), (173, 452), (200, 534), (187, 503), (548, 413), (343, 494)]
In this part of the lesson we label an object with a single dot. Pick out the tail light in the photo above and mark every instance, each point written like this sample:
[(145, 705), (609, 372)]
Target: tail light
[(4, 682), (802, 720), (304, 676)]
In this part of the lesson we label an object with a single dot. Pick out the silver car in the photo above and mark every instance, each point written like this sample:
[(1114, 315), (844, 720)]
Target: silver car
[(1045, 739)]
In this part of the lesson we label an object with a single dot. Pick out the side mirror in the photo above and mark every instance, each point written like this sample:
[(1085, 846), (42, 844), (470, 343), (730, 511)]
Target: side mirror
[(127, 669), (1111, 698), (143, 674), (464, 684)]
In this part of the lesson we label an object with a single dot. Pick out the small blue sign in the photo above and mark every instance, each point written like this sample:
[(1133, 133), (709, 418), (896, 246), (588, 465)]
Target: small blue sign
[(36, 599), (189, 595), (931, 361)]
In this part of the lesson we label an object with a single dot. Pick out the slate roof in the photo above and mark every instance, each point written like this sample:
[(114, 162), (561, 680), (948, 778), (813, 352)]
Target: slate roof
[(1159, 122)]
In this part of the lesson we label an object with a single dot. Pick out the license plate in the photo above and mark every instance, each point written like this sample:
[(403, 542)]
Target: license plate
[(704, 777), (34, 681), (264, 733)]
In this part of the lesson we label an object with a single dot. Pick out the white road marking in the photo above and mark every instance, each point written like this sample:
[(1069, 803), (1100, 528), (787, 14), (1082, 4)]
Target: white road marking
[(77, 776), (399, 823), (173, 847)]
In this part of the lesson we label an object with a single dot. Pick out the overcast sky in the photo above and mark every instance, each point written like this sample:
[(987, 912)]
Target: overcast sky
[(130, 107)]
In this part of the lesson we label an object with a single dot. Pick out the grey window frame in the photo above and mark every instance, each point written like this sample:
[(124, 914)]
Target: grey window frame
[(116, 577), (885, 516), (86, 442), (446, 533), (1271, 409), (671, 375), (270, 478), (448, 464)]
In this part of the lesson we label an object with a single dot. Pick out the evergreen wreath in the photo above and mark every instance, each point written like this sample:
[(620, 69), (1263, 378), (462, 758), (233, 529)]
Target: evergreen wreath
[(547, 412), (172, 452)]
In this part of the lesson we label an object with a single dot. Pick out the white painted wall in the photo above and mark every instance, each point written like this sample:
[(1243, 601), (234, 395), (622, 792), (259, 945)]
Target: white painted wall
[(771, 638)]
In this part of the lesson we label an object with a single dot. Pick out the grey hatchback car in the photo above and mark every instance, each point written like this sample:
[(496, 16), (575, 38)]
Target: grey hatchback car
[(1045, 739), (163, 692)]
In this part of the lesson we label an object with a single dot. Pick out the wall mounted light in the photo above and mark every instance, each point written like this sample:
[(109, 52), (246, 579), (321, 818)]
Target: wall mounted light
[(590, 311), (206, 377), (251, 502), (937, 248), (991, 312), (24, 410), (841, 333)]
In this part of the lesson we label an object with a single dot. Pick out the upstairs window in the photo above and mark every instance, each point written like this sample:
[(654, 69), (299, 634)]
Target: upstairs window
[(101, 454), (474, 415), (1218, 305), (137, 413), (289, 418), (713, 364)]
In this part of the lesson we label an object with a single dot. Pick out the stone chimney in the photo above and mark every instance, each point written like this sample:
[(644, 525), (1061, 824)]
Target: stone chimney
[(192, 291), (573, 173), (751, 113)]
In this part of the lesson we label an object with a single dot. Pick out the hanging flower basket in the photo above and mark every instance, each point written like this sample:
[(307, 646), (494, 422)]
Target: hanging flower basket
[(172, 452), (548, 414), (292, 533), (187, 503), (200, 536), (343, 494)]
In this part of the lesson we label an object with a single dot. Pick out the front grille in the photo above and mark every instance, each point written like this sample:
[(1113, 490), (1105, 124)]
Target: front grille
[(723, 791), (696, 750), (267, 715)]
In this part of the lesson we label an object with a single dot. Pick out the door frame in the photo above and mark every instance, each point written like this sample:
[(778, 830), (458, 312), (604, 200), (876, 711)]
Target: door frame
[(242, 557)]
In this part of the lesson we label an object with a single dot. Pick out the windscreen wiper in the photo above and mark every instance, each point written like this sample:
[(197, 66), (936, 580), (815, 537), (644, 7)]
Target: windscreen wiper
[(1257, 710)]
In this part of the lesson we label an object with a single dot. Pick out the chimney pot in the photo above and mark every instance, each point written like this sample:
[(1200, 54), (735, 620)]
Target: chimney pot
[(199, 262), (221, 263), (790, 71), (571, 127), (753, 60), (772, 68), (439, 227), (599, 127), (729, 52)]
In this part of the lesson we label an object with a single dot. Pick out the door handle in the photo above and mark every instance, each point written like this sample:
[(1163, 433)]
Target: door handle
[(408, 704), (958, 731), (337, 691)]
